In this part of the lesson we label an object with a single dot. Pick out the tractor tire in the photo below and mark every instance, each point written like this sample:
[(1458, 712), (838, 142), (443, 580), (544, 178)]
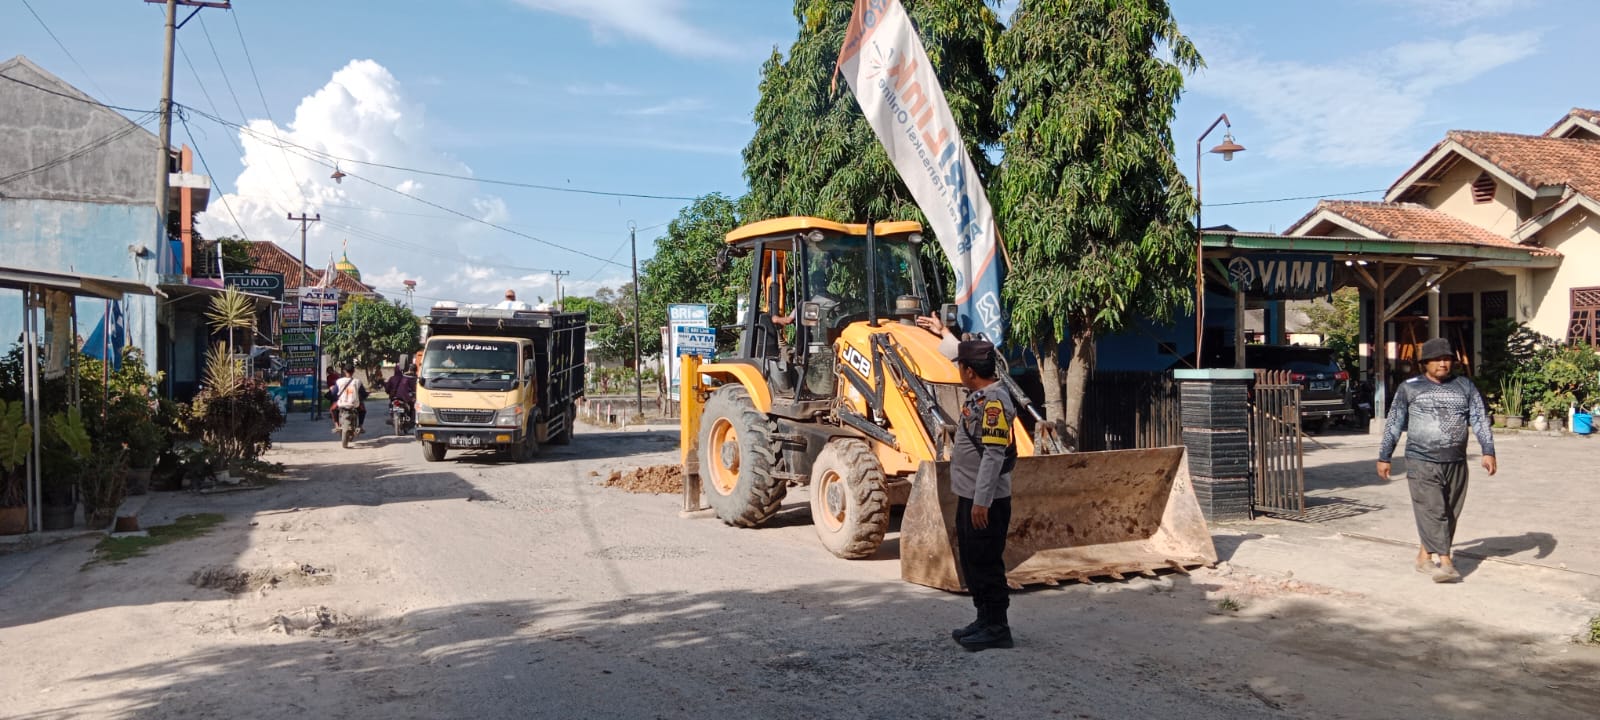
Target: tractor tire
[(433, 451), (849, 499), (736, 459), (565, 436)]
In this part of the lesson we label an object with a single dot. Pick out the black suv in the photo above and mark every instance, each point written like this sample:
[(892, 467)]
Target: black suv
[(1325, 390)]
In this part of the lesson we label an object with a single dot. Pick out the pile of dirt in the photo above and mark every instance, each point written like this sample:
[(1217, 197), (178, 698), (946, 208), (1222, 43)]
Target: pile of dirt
[(318, 621), (238, 582), (654, 479)]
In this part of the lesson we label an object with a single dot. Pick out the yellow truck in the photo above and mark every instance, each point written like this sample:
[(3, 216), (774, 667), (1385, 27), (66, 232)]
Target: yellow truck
[(498, 379)]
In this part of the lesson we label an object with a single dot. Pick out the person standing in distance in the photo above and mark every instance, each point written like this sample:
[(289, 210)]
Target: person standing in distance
[(1435, 410)]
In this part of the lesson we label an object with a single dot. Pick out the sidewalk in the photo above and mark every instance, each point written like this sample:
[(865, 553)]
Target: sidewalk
[(1528, 541)]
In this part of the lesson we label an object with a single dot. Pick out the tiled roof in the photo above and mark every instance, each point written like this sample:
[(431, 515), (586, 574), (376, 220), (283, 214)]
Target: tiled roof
[(1410, 221), (1590, 116), (268, 257), (1538, 160)]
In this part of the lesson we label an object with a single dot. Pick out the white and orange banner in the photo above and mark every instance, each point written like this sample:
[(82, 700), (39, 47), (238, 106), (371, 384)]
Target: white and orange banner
[(886, 66)]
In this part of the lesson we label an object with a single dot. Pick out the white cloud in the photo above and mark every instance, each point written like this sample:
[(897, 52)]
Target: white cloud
[(658, 22), (671, 107), (362, 113), (1350, 113), (1460, 12)]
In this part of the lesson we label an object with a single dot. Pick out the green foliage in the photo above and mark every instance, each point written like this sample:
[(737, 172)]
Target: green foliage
[(1511, 396), (116, 551), (237, 424), (235, 255), (16, 441), (1092, 205), (232, 312), (1339, 323), (370, 332), (813, 152), (611, 323), (685, 269), (73, 434)]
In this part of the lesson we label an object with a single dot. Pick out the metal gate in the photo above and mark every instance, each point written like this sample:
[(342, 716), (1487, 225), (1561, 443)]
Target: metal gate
[(1276, 452)]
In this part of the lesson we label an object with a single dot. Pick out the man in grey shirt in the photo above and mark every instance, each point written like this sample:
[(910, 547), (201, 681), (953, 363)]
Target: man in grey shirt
[(1435, 410), (980, 477)]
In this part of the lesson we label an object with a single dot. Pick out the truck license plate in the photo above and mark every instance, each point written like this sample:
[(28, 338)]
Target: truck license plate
[(466, 441)]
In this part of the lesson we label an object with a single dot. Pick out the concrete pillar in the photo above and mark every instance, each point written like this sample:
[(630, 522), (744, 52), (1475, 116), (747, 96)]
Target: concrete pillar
[(1434, 305), (1216, 432)]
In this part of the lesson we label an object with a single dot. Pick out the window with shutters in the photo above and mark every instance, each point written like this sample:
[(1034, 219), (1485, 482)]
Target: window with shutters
[(1585, 309), (1483, 188)]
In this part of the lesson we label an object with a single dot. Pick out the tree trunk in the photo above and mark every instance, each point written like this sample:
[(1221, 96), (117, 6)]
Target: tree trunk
[(1078, 372), (1050, 378)]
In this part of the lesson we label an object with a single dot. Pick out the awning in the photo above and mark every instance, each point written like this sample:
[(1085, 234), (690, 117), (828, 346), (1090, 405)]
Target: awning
[(80, 284), (182, 292)]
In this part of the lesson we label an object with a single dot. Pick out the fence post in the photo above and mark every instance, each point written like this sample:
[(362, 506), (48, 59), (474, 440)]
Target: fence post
[(1216, 431)]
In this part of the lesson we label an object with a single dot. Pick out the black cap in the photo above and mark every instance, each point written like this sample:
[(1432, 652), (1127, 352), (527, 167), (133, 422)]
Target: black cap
[(1436, 348), (974, 351)]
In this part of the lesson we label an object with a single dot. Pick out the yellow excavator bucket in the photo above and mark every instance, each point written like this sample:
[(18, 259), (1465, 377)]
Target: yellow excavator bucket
[(1073, 517)]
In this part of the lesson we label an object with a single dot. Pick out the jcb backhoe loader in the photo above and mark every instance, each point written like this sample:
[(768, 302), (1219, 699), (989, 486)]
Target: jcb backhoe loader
[(834, 386)]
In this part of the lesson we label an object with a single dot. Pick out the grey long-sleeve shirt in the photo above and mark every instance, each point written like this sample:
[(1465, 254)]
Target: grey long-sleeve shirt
[(980, 467), (1435, 417)]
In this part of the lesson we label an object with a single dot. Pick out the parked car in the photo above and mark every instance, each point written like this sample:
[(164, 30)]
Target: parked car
[(1326, 391)]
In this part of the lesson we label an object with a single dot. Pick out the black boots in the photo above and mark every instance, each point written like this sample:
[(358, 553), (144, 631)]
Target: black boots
[(990, 630)]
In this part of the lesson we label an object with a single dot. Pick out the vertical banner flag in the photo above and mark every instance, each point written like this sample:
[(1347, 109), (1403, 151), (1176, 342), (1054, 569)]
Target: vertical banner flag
[(886, 66)]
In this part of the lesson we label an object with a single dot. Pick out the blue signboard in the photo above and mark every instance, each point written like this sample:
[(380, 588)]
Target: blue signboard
[(694, 340)]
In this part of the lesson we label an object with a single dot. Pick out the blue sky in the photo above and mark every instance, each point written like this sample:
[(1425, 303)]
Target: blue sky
[(654, 97)]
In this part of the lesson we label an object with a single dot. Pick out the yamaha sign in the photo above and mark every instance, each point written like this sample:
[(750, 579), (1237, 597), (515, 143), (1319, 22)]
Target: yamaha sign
[(269, 284)]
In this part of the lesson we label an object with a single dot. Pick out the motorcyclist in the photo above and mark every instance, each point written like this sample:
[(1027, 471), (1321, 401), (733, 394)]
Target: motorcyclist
[(402, 386), (350, 393)]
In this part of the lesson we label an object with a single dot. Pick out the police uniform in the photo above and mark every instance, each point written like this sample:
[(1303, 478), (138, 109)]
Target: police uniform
[(980, 474)]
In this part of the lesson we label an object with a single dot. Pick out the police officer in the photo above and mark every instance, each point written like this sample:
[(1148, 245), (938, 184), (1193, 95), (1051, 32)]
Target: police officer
[(980, 476)]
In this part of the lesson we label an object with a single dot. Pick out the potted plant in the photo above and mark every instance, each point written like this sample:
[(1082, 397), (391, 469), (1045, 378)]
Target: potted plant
[(1511, 397), (103, 484), (1497, 413), (66, 442), (132, 417), (1540, 420), (16, 439)]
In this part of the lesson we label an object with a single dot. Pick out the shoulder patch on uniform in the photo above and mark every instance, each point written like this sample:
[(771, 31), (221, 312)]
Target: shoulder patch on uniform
[(996, 427)]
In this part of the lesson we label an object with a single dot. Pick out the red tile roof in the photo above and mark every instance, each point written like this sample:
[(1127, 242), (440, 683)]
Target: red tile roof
[(1538, 160), (1593, 116), (268, 257), (1410, 221)]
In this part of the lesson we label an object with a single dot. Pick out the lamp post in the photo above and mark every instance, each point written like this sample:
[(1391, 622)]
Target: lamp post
[(1226, 149), (638, 362)]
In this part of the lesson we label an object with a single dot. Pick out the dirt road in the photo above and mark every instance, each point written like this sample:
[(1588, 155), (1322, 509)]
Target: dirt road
[(369, 584)]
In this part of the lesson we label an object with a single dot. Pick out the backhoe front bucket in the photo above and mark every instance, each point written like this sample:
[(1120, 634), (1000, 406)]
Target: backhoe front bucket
[(1073, 517)]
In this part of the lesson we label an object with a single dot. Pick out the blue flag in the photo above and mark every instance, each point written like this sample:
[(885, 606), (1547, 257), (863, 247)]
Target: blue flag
[(110, 334)]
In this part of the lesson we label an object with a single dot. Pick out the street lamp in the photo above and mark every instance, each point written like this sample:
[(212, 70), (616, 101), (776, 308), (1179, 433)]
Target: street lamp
[(1227, 148)]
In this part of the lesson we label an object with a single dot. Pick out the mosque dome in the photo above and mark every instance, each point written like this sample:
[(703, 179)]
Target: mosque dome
[(345, 266)]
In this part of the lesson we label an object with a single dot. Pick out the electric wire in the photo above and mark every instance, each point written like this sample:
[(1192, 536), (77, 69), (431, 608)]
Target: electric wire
[(1301, 197), (265, 107), (134, 124), (331, 160), (64, 49), (223, 197), (75, 98)]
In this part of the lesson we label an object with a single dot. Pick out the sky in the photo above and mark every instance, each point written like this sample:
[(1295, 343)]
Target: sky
[(650, 101)]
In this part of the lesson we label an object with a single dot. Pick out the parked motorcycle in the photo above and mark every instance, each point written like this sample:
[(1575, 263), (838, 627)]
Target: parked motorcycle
[(400, 417)]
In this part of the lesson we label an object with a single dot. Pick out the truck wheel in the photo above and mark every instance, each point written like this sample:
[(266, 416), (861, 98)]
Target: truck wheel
[(849, 502), (529, 449), (570, 415), (736, 459), (433, 452)]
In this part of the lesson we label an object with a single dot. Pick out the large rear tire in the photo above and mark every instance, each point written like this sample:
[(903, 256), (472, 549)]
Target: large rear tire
[(433, 451), (849, 499), (529, 448), (736, 459)]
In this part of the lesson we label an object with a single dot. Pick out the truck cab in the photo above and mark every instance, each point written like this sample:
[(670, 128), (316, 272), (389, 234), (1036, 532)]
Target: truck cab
[(495, 379)]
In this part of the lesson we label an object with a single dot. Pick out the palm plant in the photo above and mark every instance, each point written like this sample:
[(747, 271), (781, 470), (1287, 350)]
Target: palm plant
[(231, 311)]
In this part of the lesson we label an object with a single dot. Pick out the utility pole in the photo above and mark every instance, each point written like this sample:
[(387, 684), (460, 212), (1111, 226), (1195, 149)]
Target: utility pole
[(164, 151), (316, 347), (559, 274), (638, 361)]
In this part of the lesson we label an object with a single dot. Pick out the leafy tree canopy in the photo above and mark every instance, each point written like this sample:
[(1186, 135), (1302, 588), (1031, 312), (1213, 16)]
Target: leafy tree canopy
[(369, 332), (1093, 208)]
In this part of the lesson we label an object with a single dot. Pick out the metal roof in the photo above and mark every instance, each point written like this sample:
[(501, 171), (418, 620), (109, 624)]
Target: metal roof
[(1419, 252), (81, 284)]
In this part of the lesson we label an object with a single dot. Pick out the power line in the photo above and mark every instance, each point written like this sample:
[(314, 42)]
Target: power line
[(64, 49), (75, 98), (203, 164), (414, 198), (225, 80), (327, 157), (287, 165), (1302, 197), (134, 125)]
